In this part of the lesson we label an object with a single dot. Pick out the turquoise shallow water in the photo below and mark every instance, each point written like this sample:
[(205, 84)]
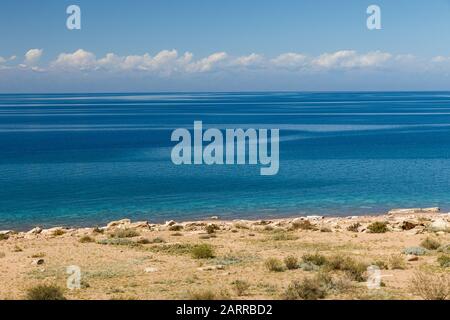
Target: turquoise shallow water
[(90, 158)]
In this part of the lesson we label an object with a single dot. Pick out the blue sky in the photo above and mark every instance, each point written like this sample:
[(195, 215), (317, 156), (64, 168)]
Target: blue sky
[(203, 45)]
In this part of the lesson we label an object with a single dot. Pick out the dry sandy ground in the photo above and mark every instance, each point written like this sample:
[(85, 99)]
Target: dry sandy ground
[(169, 271)]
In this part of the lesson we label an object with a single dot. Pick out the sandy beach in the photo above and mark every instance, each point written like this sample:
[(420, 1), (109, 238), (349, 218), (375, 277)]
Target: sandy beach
[(310, 257)]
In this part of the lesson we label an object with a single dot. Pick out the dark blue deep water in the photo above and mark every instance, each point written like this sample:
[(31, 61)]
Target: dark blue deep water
[(90, 158)]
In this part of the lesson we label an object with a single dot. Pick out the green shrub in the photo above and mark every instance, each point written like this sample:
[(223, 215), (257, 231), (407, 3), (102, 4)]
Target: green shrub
[(211, 228), (378, 227), (240, 287), (307, 289), (444, 261), (124, 233), (291, 262), (202, 251), (355, 270), (354, 227), (176, 227), (415, 251), (316, 258), (58, 232), (430, 244), (45, 292), (98, 230), (274, 265), (4, 236), (86, 239)]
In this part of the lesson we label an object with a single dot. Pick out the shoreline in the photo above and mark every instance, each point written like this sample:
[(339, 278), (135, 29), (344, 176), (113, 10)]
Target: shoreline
[(221, 218), (214, 258)]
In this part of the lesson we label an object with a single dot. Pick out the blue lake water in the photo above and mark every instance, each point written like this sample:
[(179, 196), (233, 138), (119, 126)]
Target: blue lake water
[(86, 159)]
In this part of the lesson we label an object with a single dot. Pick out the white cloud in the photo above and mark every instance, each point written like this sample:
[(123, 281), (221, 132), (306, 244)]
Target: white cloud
[(440, 59), (250, 60), (164, 62), (80, 59), (351, 59), (2, 60), (290, 60), (32, 56), (208, 63)]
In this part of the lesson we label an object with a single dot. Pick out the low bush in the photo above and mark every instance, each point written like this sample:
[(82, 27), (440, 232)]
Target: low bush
[(211, 228), (307, 289), (291, 262), (240, 287), (202, 251), (316, 258), (415, 251), (397, 262), (45, 292), (354, 227), (303, 225), (378, 227), (274, 265), (86, 239), (430, 244), (444, 261), (430, 286), (124, 233)]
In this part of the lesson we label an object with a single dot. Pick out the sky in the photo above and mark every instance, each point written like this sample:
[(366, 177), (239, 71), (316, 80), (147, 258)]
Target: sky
[(233, 45)]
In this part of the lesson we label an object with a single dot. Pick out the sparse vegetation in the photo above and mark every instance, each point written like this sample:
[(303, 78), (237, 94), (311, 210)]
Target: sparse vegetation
[(325, 229), (124, 233), (274, 265), (86, 239), (176, 227), (17, 249), (378, 227), (430, 286), (143, 241), (45, 292), (283, 236), (291, 262), (117, 242), (307, 289), (208, 295), (211, 228), (354, 227), (430, 244), (397, 262), (202, 251), (98, 230), (4, 236), (58, 232), (240, 287), (303, 225), (158, 240), (355, 270), (316, 259), (381, 264), (444, 261), (38, 255), (415, 251)]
